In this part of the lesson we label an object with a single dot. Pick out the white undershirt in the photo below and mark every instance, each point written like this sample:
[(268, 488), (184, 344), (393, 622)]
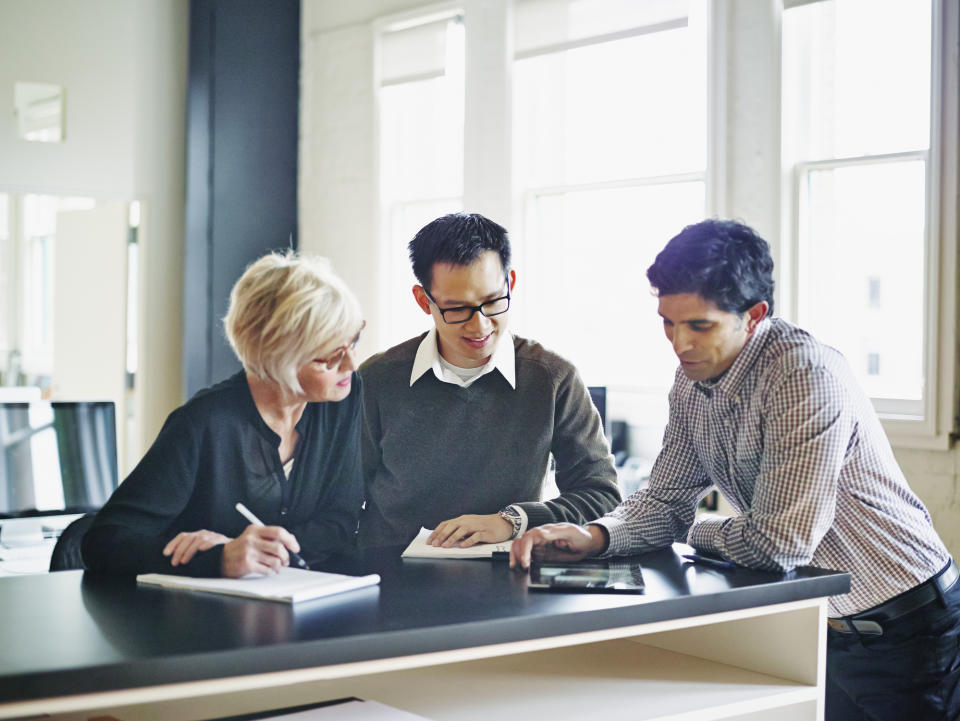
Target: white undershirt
[(466, 375), (428, 359)]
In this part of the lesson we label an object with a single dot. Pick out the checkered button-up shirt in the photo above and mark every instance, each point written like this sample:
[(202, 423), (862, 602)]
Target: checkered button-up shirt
[(796, 448)]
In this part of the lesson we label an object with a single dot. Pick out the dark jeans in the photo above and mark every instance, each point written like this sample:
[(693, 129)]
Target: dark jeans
[(910, 673)]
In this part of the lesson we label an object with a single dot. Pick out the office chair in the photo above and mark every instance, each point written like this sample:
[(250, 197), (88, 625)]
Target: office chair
[(66, 553)]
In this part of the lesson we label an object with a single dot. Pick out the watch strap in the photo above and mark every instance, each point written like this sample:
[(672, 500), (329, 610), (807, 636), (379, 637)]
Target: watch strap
[(512, 516)]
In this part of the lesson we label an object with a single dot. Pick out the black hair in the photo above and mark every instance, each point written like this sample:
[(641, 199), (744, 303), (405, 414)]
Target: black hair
[(458, 238), (724, 261)]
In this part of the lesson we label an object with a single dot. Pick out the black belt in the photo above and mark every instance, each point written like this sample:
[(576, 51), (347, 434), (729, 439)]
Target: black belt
[(871, 621)]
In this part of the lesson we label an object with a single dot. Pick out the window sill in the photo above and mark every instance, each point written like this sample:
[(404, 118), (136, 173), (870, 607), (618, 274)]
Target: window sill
[(915, 435)]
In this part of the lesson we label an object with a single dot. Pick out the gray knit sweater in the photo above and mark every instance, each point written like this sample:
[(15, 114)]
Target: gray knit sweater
[(435, 450)]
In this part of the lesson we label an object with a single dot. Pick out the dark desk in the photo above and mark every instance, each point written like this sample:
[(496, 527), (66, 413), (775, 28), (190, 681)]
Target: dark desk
[(67, 634)]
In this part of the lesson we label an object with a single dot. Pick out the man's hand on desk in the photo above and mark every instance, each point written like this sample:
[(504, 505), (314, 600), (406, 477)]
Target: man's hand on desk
[(558, 542), (469, 530)]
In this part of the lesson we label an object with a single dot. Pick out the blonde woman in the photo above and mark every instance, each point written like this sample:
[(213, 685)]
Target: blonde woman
[(282, 437)]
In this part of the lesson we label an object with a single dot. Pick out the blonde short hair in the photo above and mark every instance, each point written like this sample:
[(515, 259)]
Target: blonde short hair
[(285, 310)]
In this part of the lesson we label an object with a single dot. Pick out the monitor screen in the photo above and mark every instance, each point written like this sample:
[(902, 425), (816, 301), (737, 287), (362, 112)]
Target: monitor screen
[(599, 396), (58, 457)]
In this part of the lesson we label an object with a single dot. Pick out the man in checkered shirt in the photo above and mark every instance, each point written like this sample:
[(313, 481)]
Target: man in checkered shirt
[(776, 421)]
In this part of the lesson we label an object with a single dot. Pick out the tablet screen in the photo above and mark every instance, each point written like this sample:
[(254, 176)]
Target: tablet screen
[(587, 577)]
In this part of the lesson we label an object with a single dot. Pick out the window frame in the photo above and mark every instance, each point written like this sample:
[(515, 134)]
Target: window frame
[(936, 426), (745, 174), (524, 208), (888, 409), (386, 214)]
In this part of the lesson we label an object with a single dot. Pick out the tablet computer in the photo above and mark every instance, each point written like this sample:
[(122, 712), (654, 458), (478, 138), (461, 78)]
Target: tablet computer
[(587, 577)]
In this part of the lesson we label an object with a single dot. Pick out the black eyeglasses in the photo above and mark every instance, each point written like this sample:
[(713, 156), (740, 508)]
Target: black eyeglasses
[(332, 362), (463, 313)]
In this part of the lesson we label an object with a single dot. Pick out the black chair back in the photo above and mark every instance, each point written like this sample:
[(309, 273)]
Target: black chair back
[(66, 553)]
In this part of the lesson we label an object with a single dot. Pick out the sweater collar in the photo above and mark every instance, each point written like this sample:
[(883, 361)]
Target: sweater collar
[(428, 358)]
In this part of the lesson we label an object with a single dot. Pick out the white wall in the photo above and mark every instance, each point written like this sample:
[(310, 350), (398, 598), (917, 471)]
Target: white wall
[(338, 184), (935, 476), (123, 64)]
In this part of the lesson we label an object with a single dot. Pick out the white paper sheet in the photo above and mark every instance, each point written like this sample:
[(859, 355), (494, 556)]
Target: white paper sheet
[(418, 548), (291, 585)]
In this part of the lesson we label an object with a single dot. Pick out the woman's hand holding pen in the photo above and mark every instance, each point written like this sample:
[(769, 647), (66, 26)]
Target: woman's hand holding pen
[(259, 549)]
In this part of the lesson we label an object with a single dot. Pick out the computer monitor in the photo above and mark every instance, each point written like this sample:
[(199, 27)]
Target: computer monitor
[(599, 396), (616, 431), (57, 457)]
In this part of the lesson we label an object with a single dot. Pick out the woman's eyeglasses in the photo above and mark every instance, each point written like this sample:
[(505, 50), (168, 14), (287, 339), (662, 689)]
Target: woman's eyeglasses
[(332, 362)]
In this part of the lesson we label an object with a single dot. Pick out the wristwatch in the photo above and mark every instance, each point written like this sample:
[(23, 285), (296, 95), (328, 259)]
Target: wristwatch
[(512, 516)]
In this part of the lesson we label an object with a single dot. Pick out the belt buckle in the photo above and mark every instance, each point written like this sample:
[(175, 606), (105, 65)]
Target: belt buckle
[(866, 628), (838, 624), (949, 576)]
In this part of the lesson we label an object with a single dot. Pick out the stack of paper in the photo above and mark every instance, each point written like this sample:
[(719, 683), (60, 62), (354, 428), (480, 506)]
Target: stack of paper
[(291, 585)]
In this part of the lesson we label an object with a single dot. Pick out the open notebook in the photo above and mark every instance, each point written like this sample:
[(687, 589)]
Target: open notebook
[(291, 585), (418, 548)]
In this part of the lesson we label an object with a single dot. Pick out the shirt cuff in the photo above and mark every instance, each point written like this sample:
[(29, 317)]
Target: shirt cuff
[(619, 544), (704, 534), (524, 520)]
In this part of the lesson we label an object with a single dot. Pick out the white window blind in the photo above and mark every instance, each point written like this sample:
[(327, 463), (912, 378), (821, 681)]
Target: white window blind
[(418, 52), (545, 26)]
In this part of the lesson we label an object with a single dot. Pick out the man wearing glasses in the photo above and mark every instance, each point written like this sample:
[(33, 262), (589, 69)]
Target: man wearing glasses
[(462, 420)]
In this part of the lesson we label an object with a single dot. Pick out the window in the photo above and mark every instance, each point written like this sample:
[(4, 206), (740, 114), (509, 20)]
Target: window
[(421, 102), (28, 226), (857, 136), (609, 163), (602, 167), (873, 292), (608, 125)]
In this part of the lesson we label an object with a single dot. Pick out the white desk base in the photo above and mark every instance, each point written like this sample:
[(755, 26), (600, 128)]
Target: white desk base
[(753, 664)]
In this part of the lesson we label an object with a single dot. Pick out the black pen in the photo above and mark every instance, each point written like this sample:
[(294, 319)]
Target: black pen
[(713, 562), (295, 558)]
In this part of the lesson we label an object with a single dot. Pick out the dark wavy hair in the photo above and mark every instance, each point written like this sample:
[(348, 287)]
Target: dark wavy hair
[(458, 238), (721, 260)]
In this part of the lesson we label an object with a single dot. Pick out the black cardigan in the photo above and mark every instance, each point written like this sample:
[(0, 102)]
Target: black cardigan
[(217, 450)]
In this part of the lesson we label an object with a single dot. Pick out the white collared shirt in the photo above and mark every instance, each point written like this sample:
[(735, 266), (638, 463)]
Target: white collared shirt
[(503, 359), (428, 358)]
